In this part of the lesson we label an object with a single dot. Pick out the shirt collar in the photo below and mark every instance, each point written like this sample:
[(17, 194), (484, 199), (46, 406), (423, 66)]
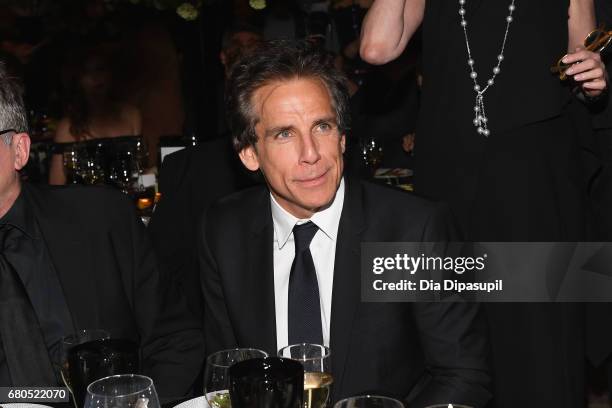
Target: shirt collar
[(19, 216), (327, 220)]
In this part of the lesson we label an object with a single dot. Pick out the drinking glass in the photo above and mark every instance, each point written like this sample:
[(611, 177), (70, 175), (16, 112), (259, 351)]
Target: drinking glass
[(216, 373), (372, 153), (91, 360), (123, 173), (68, 342), (271, 382), (122, 391), (90, 171), (316, 360), (71, 163), (369, 401)]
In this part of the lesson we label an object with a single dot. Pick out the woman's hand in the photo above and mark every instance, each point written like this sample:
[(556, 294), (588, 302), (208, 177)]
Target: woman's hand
[(588, 70)]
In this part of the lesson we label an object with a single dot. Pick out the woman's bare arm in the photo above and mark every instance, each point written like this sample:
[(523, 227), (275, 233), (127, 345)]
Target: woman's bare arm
[(388, 27), (587, 68)]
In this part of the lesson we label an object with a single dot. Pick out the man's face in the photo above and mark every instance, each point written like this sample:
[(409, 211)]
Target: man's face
[(240, 43), (12, 158), (299, 148)]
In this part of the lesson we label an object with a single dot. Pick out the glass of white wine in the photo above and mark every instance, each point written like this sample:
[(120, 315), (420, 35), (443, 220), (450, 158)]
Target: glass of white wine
[(216, 373), (318, 379), (122, 391), (369, 401)]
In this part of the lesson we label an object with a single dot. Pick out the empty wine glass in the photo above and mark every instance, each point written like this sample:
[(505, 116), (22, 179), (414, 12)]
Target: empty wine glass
[(122, 391), (316, 360), (369, 401), (216, 375)]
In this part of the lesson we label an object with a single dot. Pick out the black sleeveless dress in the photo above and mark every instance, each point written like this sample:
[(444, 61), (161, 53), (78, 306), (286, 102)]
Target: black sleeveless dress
[(522, 183)]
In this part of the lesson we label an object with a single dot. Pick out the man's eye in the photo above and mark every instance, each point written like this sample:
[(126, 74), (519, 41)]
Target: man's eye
[(325, 127), (283, 134)]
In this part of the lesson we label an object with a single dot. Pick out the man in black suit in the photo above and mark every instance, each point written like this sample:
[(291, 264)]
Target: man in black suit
[(280, 263), (191, 179), (75, 258)]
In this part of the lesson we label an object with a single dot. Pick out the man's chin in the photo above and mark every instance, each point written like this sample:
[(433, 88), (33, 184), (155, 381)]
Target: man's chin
[(322, 201)]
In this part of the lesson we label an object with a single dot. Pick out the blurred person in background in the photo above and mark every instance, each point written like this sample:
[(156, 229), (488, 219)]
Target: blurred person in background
[(151, 80), (191, 179), (510, 172), (75, 258), (93, 110)]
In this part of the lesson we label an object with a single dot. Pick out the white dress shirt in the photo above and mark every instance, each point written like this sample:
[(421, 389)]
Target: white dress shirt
[(323, 250)]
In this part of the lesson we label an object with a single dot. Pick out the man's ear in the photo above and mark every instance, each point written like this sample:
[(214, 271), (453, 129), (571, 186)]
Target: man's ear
[(249, 158), (343, 142), (21, 147)]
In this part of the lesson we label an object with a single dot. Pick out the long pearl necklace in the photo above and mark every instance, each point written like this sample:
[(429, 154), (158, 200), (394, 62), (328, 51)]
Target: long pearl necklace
[(480, 116)]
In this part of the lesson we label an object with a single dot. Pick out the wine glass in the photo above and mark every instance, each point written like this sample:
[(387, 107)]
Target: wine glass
[(271, 382), (71, 163), (90, 171), (96, 356), (72, 340), (318, 379), (123, 173), (372, 153), (216, 373), (369, 401), (122, 391)]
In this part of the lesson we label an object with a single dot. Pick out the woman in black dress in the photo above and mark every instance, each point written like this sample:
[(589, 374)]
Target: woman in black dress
[(518, 177)]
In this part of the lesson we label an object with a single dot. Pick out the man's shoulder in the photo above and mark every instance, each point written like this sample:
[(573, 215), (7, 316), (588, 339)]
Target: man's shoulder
[(239, 211), (243, 203), (392, 214), (380, 197)]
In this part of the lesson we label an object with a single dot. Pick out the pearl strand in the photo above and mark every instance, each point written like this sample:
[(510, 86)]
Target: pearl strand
[(480, 118)]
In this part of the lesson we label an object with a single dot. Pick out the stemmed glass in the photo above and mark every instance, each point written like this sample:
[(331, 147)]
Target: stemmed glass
[(122, 391), (216, 374), (71, 158), (369, 401), (372, 153), (124, 173), (70, 341), (91, 355), (318, 379)]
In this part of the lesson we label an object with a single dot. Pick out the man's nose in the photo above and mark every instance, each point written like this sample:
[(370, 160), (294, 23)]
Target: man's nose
[(309, 150)]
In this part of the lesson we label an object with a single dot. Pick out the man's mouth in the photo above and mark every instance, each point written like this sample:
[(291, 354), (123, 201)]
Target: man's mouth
[(312, 181)]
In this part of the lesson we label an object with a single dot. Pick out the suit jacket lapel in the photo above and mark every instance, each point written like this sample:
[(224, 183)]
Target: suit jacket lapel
[(346, 287), (258, 284), (68, 252)]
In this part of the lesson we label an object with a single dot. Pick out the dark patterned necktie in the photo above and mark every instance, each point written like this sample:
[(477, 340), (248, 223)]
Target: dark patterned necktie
[(26, 355), (304, 306)]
